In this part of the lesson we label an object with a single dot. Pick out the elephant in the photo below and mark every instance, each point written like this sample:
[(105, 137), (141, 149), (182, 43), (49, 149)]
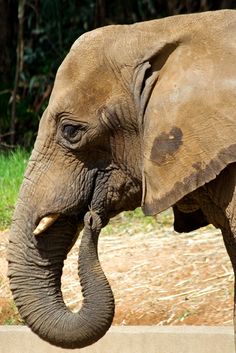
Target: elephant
[(139, 115)]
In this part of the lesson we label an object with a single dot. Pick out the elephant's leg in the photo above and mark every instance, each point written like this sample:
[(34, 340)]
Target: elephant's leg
[(217, 201), (230, 244), (229, 233)]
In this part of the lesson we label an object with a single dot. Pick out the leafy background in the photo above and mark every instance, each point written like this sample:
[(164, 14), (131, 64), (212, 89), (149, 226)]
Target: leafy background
[(35, 37)]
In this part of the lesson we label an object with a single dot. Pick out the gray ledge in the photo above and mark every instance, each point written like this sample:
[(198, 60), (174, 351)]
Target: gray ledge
[(130, 339)]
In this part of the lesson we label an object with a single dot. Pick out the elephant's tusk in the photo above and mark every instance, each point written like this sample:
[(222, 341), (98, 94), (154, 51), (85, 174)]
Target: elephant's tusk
[(45, 223)]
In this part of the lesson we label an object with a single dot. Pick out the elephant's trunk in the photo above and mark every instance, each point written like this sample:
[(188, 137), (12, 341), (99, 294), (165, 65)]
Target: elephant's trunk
[(35, 269)]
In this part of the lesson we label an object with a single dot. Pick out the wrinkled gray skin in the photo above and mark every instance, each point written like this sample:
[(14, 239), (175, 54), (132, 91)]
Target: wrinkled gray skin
[(141, 114)]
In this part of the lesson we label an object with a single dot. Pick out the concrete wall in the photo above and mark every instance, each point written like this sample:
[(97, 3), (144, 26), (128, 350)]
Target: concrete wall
[(130, 339)]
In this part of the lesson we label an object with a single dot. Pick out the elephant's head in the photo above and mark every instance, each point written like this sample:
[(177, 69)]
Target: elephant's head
[(131, 120)]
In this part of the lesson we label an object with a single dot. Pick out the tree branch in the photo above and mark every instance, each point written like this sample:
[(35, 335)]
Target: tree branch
[(19, 66)]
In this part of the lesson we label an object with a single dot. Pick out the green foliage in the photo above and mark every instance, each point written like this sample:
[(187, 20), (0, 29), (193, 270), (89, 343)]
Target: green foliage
[(12, 166)]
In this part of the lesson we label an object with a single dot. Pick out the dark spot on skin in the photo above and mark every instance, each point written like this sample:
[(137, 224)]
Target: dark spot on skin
[(166, 145), (197, 166)]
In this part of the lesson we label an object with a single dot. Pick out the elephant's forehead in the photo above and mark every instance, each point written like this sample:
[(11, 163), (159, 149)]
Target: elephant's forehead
[(78, 66), (82, 83)]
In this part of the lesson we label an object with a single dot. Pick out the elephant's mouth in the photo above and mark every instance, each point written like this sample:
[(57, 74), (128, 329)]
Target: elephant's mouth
[(44, 222), (98, 200), (47, 221)]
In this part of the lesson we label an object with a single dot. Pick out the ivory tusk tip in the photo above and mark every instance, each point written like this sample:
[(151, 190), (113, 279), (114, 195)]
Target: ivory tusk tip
[(45, 223), (36, 231)]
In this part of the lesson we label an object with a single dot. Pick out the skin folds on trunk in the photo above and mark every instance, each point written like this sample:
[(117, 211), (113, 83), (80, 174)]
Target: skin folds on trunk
[(35, 268)]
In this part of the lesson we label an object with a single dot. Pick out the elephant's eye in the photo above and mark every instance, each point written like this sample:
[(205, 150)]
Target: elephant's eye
[(71, 132)]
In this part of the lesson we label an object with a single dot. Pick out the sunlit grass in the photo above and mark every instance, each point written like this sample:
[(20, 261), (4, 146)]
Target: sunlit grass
[(12, 166)]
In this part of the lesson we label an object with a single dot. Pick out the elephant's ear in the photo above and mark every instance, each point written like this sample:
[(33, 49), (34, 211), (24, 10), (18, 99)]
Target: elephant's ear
[(189, 123)]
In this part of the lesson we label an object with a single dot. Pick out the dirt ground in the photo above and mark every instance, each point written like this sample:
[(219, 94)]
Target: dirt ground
[(158, 277)]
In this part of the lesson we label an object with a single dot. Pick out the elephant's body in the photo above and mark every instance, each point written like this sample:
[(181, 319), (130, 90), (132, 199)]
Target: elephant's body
[(141, 114)]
